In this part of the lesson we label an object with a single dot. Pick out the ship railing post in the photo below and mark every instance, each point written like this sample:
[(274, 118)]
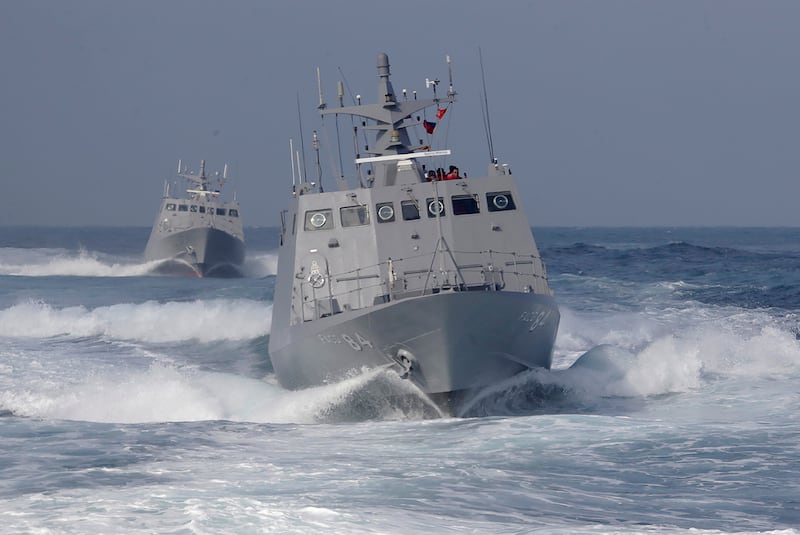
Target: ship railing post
[(543, 269), (330, 289), (302, 303), (391, 278), (457, 275), (490, 268), (358, 286), (316, 303), (430, 270)]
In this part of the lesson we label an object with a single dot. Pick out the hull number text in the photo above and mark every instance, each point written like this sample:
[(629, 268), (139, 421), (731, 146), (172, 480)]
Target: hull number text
[(534, 319), (356, 341)]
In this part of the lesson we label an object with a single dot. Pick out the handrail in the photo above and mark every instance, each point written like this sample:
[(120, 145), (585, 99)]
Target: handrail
[(467, 270)]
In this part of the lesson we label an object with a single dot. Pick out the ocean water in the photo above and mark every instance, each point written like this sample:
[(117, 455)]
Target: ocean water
[(132, 403)]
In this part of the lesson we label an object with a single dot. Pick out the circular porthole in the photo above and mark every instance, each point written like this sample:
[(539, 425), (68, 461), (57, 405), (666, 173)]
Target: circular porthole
[(386, 213), (318, 220), (436, 207), (500, 201), (316, 279)]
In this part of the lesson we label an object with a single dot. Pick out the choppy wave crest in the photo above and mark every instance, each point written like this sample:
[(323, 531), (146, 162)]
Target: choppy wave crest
[(644, 359), (201, 320), (85, 263), (259, 265), (166, 393), (62, 262)]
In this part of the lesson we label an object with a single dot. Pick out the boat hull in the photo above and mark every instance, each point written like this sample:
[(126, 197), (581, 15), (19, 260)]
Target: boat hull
[(199, 251), (445, 343)]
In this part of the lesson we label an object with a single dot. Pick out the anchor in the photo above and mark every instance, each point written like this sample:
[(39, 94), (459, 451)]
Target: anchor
[(405, 359)]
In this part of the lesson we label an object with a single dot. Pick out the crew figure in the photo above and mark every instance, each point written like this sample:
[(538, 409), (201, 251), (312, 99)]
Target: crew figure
[(453, 174)]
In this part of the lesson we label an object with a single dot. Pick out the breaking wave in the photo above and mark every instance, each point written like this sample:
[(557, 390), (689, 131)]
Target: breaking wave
[(61, 262), (84, 263), (165, 393), (643, 360), (201, 320)]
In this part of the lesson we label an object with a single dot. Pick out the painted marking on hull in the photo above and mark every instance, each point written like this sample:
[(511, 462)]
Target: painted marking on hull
[(356, 341), (535, 319)]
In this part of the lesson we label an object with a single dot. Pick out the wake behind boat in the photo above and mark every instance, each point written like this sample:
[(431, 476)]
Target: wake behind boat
[(198, 235), (415, 269)]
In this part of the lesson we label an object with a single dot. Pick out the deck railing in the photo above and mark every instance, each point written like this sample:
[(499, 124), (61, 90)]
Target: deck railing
[(417, 275)]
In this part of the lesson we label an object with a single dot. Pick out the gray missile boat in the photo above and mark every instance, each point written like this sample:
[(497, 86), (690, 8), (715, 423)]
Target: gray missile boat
[(438, 279), (200, 234)]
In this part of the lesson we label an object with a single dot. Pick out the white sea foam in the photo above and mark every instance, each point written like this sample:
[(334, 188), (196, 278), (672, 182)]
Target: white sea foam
[(160, 394), (643, 355), (201, 320), (62, 262), (259, 265), (84, 263), (164, 393)]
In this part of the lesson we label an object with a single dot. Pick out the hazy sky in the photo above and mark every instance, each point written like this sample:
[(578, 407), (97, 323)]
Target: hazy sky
[(609, 112)]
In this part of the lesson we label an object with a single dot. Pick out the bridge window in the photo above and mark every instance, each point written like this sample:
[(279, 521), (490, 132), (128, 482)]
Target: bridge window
[(410, 210), (319, 219), (193, 208), (500, 201), (385, 212), (233, 212), (183, 207), (220, 211), (435, 207), (465, 204), (354, 216), (202, 209), (170, 207)]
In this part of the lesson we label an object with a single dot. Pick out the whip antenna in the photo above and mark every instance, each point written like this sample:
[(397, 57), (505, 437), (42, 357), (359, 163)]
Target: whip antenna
[(486, 123), (302, 143)]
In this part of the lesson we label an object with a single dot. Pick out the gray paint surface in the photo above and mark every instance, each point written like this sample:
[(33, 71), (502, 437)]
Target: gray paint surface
[(198, 234), (449, 291)]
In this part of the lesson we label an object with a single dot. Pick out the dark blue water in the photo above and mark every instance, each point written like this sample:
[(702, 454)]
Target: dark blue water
[(742, 267), (133, 403)]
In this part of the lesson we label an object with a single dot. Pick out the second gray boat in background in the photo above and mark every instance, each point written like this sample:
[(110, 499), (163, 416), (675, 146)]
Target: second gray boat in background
[(200, 234)]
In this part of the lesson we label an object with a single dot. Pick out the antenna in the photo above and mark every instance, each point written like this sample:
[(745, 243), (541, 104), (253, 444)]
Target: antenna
[(340, 94), (355, 149), (450, 90), (299, 174), (322, 104), (319, 167), (291, 159), (225, 172), (302, 144), (485, 105)]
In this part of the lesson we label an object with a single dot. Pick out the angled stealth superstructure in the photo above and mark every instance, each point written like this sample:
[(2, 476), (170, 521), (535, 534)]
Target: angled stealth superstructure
[(198, 235), (440, 280)]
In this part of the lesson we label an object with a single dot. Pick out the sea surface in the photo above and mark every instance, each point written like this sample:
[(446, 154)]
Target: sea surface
[(136, 403)]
